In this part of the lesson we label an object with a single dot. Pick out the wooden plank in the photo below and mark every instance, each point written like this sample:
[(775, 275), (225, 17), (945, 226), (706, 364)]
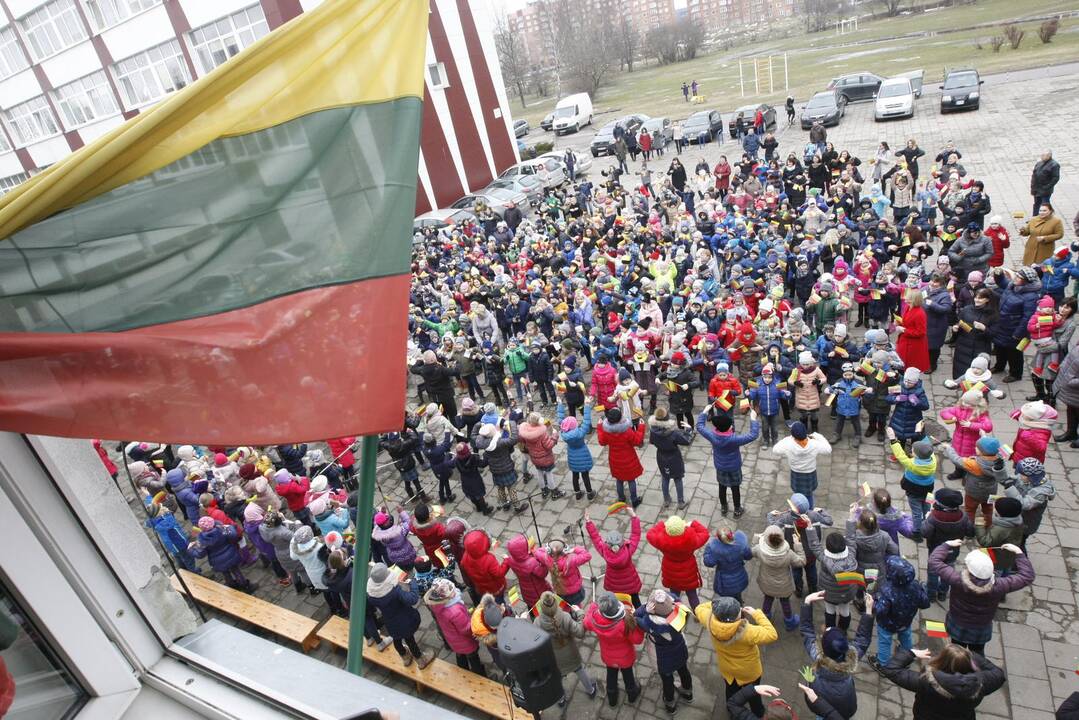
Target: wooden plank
[(465, 686), (278, 620)]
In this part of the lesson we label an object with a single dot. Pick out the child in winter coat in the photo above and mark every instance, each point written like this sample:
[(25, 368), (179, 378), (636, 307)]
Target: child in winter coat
[(329, 516), (804, 520), (891, 520), (867, 541), (950, 685), (604, 380), (455, 624), (565, 630), (219, 543), (919, 474), (678, 542), (807, 380), (801, 450), (774, 576), (834, 558), (982, 472), (672, 654), (395, 599), (539, 441), (848, 404), (910, 403), (470, 466), (737, 643), (402, 448), (618, 635), (278, 531), (1007, 529), (578, 456), (879, 376), (622, 437), (162, 519), (393, 531), (667, 437), (971, 419), (526, 564), (436, 448), (497, 440), (727, 454), (484, 571), (1032, 439), (834, 659), (1034, 491), (898, 598), (430, 531), (945, 522), (768, 398), (724, 389), (620, 575), (253, 519), (728, 552)]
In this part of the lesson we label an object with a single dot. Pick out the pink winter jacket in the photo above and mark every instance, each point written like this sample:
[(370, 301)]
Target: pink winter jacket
[(807, 397), (569, 568), (531, 573), (617, 644), (965, 438), (604, 381), (539, 443), (621, 575), (456, 625), (1030, 442)]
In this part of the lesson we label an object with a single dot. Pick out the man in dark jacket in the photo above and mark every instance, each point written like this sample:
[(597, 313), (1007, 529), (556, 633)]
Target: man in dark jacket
[(438, 382), (512, 216), (1045, 177)]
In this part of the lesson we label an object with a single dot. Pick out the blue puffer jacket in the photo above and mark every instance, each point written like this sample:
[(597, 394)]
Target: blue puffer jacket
[(578, 456), (726, 448), (185, 495), (1017, 304), (900, 596), (908, 414), (219, 544), (729, 560), (438, 454), (846, 404), (169, 530), (1063, 271), (671, 650), (766, 396), (938, 312), (398, 608), (292, 458)]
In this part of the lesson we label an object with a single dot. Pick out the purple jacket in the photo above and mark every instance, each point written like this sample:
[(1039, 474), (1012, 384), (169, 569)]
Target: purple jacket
[(265, 548), (974, 602), (395, 539)]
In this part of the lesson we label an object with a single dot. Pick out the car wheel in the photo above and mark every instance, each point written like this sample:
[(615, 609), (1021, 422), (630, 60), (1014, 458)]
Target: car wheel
[(576, 128), (844, 98), (595, 154)]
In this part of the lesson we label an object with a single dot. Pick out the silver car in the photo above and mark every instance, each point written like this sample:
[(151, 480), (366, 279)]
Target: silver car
[(547, 169), (581, 167), (530, 185)]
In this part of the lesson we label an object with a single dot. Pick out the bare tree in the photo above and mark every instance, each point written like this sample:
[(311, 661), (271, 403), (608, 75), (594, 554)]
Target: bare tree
[(584, 45), (690, 37), (1014, 34), (820, 13), (626, 41), (661, 42), (512, 57), (891, 7), (539, 80)]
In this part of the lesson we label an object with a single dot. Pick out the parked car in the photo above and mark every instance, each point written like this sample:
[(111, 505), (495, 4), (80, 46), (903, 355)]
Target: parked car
[(895, 98), (572, 113), (442, 217), (548, 121), (748, 112), (961, 90), (530, 185), (826, 107), (520, 128), (706, 125), (661, 130), (497, 199), (917, 79), (604, 139), (581, 167), (856, 86), (548, 170)]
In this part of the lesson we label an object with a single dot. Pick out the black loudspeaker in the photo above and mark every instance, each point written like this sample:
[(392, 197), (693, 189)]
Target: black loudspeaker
[(528, 656)]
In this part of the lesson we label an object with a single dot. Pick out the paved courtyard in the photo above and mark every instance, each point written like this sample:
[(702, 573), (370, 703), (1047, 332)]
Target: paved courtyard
[(1036, 636)]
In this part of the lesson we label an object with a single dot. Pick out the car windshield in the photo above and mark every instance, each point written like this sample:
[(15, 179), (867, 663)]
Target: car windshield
[(698, 119), (747, 110), (653, 125), (605, 131), (958, 80), (500, 193), (567, 111), (896, 90), (819, 102)]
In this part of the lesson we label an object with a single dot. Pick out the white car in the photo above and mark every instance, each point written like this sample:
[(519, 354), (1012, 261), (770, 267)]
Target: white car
[(581, 167), (547, 169), (894, 98)]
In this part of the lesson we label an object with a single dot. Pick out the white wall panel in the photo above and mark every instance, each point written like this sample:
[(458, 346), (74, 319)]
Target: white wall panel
[(71, 64), (19, 8), (139, 33), (94, 130), (200, 12), (9, 164), (18, 88), (49, 151)]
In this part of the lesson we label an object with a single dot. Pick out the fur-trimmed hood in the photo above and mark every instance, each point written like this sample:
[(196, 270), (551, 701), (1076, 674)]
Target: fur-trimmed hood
[(954, 686)]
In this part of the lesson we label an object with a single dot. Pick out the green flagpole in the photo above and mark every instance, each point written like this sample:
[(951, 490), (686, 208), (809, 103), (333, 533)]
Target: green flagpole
[(365, 511)]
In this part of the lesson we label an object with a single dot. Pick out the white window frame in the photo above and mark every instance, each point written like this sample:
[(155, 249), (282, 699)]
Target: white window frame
[(52, 28), (104, 14), (9, 183), (12, 57), (151, 70), (33, 115), (436, 74), (214, 43), (85, 100)]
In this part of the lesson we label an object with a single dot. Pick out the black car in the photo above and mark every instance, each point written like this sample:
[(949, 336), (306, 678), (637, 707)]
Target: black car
[(704, 126), (825, 107), (961, 90), (547, 122), (856, 86), (749, 112), (603, 142), (520, 128)]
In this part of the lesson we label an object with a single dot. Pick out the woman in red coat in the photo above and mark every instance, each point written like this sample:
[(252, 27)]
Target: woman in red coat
[(679, 542), (722, 172), (623, 438), (913, 343)]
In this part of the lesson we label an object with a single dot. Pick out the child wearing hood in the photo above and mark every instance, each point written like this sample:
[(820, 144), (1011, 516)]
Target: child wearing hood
[(834, 659), (727, 453), (329, 515), (728, 552), (564, 566), (162, 519), (312, 553), (395, 599), (185, 494), (737, 644), (981, 474), (1007, 529), (801, 450), (1034, 491), (672, 654), (526, 563), (1032, 439), (622, 437), (898, 598), (454, 623), (808, 380), (768, 398), (604, 380), (278, 531), (946, 521), (436, 448), (253, 519), (620, 575), (393, 531), (485, 573), (971, 420), (220, 543), (565, 630), (910, 403), (678, 542), (774, 576), (878, 378), (429, 530), (470, 466), (578, 456), (619, 636), (539, 440)]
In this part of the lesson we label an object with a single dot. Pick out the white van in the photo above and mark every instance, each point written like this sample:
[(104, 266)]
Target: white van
[(572, 113), (894, 98)]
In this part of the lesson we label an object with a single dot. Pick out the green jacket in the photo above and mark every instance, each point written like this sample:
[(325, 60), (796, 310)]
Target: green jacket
[(450, 327), (516, 361)]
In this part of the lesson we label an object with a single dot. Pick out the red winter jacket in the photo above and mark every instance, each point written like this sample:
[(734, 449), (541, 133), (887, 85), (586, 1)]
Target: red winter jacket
[(294, 492), (530, 571), (730, 383), (487, 574), (1030, 442), (622, 438), (110, 466), (1001, 242), (339, 446), (617, 643), (431, 534), (621, 575), (913, 344), (679, 567)]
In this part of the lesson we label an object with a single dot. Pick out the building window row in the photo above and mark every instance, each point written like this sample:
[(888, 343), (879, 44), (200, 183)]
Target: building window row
[(32, 120), (106, 13), (86, 99), (218, 41), (12, 58), (52, 28), (9, 183), (152, 74)]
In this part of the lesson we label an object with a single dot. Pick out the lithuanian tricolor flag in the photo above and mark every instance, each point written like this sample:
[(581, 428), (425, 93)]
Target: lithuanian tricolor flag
[(232, 266)]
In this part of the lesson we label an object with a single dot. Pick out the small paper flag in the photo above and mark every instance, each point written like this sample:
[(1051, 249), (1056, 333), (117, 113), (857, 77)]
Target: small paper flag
[(1022, 344), (1006, 451), (830, 399), (514, 595), (1045, 319), (743, 405), (875, 294), (722, 401), (850, 578), (965, 326), (871, 574), (841, 352), (616, 507), (898, 320), (794, 376), (401, 574), (866, 490), (866, 367), (441, 555), (929, 498), (857, 391), (678, 616), (935, 629), (437, 510), (624, 598)]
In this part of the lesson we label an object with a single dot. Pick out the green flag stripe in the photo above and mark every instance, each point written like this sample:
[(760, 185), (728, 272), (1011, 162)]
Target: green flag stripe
[(324, 199)]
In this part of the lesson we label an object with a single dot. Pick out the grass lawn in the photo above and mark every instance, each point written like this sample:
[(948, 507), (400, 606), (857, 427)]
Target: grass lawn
[(814, 59)]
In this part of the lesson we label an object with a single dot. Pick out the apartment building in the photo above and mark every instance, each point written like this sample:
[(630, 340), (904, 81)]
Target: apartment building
[(71, 70), (716, 15)]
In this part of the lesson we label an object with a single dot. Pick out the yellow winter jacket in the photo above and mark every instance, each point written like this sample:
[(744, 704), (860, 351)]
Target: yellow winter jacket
[(736, 643)]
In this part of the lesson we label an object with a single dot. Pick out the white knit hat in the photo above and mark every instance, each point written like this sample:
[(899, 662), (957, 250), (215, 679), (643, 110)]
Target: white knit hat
[(979, 565)]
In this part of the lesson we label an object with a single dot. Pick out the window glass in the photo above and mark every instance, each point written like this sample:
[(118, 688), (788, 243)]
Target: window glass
[(152, 74), (9, 183), (12, 58), (32, 120), (86, 99), (53, 27), (218, 41), (106, 13)]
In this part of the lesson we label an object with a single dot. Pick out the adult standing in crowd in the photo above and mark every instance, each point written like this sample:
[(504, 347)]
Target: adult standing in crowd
[(1041, 231), (1044, 179)]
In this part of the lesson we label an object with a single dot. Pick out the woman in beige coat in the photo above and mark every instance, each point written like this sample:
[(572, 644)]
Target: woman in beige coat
[(1041, 233)]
